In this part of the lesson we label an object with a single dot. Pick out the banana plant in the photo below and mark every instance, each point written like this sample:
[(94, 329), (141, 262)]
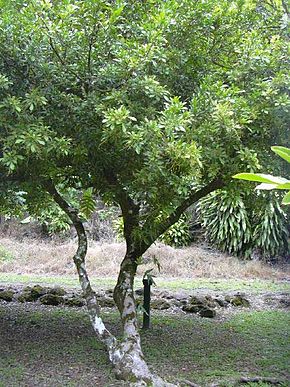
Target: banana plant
[(269, 182)]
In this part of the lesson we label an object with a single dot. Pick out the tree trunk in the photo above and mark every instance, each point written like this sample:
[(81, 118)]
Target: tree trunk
[(79, 259), (126, 354), (131, 365)]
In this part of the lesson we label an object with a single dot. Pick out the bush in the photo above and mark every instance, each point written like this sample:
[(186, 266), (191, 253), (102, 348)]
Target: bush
[(5, 255), (270, 234), (178, 235), (226, 221), (242, 224)]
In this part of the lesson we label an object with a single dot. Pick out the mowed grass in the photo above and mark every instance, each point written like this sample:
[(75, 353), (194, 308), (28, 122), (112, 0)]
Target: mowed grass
[(252, 285), (56, 347)]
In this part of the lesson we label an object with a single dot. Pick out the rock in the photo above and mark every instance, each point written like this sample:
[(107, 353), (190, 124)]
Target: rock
[(206, 312), (165, 294), (189, 308), (31, 294), (196, 301), (139, 292), (106, 302), (58, 291), (222, 303), (238, 300), (180, 296), (110, 292), (74, 301), (51, 299), (210, 302), (24, 297), (202, 305), (6, 295), (285, 302), (176, 303), (160, 304)]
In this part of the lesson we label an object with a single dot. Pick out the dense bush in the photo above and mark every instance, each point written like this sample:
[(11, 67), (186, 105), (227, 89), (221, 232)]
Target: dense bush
[(244, 224), (178, 235)]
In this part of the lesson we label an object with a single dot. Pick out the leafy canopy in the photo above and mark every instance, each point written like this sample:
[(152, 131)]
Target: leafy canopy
[(142, 101)]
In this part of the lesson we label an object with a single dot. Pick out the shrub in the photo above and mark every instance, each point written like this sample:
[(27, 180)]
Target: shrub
[(5, 255), (235, 225), (178, 235), (226, 222), (270, 233)]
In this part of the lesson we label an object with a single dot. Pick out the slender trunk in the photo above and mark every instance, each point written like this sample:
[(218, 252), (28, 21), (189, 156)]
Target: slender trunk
[(131, 365), (126, 354), (79, 259), (90, 296)]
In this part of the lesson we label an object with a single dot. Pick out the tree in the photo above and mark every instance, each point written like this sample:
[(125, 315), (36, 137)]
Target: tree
[(152, 105)]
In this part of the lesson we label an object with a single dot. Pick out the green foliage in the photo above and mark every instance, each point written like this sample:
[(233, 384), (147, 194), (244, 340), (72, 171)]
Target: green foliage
[(270, 232), (149, 276), (12, 201), (5, 255), (118, 227), (226, 221), (268, 181), (87, 204), (177, 235), (143, 102), (234, 225), (54, 219)]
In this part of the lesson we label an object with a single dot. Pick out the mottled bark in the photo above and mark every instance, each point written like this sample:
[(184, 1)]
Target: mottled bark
[(132, 359), (126, 354), (131, 365), (79, 259)]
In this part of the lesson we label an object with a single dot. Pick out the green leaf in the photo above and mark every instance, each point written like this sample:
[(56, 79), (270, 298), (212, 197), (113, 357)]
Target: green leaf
[(286, 199), (261, 178), (282, 152), (266, 186), (284, 185), (87, 205)]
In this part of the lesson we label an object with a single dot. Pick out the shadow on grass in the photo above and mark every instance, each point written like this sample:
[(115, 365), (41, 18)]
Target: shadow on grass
[(56, 347)]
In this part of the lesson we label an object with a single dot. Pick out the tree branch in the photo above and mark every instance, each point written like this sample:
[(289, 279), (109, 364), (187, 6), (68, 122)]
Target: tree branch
[(79, 259), (175, 215)]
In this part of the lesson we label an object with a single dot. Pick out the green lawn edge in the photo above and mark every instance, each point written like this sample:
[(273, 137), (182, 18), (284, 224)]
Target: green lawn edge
[(253, 285)]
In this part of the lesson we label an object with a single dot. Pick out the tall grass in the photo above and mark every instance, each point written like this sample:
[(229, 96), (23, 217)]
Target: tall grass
[(38, 256)]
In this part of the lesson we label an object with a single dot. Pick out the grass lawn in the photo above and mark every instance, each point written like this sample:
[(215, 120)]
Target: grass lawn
[(45, 346), (254, 286)]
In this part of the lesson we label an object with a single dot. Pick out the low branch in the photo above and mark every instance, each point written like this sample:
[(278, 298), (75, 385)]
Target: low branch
[(175, 215), (79, 259)]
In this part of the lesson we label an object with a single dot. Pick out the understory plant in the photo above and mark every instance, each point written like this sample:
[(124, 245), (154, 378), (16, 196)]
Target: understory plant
[(233, 224), (178, 235), (270, 234)]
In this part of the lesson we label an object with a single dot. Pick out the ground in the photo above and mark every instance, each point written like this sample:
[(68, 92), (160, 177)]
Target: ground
[(55, 346), (48, 346)]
